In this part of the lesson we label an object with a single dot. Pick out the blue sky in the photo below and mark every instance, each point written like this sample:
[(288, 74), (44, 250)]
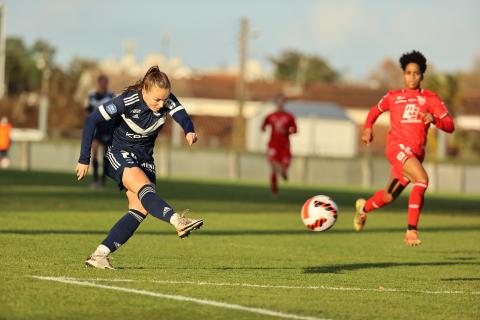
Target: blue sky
[(353, 35)]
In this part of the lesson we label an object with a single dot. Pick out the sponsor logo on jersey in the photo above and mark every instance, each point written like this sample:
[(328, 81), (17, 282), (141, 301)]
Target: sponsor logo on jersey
[(421, 100), (111, 109), (410, 114), (135, 111), (135, 136), (149, 166), (401, 98)]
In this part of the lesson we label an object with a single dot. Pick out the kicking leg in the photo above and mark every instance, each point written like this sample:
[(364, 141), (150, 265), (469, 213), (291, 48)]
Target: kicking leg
[(379, 199), (135, 180)]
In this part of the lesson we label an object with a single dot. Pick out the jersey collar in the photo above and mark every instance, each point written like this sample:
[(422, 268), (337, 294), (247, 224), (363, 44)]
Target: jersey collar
[(417, 91)]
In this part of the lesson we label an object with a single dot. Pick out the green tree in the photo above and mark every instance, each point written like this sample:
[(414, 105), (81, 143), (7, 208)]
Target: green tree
[(21, 73), (302, 68), (387, 74), (43, 53), (447, 86)]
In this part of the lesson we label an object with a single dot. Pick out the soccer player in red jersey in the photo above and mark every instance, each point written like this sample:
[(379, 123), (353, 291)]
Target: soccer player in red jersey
[(412, 111), (282, 125)]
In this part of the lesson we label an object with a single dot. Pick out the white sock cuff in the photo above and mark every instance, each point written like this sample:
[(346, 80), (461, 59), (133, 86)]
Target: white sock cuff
[(174, 219), (102, 250)]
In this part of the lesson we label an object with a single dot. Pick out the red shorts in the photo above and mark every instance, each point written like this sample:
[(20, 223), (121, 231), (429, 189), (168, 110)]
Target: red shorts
[(281, 155), (397, 154)]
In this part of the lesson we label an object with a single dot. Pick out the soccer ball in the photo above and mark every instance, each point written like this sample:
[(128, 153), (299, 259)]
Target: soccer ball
[(319, 213)]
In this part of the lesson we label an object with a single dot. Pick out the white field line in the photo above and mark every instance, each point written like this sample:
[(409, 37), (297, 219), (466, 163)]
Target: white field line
[(266, 286), (212, 303)]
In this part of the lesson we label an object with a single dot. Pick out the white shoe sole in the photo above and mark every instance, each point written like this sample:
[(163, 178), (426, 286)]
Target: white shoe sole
[(191, 227)]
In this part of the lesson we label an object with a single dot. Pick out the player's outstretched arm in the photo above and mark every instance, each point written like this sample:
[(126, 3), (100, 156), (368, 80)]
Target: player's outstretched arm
[(87, 136), (180, 115)]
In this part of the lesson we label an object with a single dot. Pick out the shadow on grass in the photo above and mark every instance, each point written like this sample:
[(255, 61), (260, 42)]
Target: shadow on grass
[(242, 232), (461, 279), (341, 268)]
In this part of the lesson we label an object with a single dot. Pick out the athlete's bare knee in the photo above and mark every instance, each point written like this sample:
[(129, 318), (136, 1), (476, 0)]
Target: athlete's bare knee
[(134, 203), (422, 178)]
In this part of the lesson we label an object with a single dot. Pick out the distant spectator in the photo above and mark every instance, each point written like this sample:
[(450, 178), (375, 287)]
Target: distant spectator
[(103, 132), (5, 142)]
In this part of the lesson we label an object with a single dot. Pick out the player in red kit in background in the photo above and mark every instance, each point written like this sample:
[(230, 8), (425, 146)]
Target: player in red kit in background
[(282, 125), (412, 111)]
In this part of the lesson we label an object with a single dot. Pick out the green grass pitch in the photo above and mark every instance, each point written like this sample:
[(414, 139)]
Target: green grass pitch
[(253, 259)]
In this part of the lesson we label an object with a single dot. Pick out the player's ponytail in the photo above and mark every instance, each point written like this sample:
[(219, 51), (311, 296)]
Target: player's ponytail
[(153, 77)]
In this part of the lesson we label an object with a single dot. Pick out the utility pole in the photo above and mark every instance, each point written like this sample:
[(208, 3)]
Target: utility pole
[(166, 46), (238, 138), (2, 50), (239, 132)]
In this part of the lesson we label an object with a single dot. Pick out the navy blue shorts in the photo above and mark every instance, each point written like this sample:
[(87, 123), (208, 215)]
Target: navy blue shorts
[(104, 133), (118, 160)]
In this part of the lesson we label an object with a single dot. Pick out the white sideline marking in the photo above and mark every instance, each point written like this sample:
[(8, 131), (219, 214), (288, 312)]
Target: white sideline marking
[(266, 286), (180, 298)]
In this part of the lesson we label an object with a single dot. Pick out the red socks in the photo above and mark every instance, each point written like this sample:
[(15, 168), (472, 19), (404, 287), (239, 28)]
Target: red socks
[(375, 202), (415, 203), (273, 183)]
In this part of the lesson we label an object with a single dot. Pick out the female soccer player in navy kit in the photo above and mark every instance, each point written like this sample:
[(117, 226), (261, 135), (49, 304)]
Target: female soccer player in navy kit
[(412, 111), (138, 115)]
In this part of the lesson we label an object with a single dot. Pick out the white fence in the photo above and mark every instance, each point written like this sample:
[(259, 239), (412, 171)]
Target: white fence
[(217, 164)]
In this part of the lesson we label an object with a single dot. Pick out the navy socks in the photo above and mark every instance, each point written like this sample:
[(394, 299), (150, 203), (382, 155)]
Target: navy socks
[(123, 229), (155, 205)]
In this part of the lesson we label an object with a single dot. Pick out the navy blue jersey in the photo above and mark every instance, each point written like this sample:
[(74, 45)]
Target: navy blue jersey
[(103, 131), (135, 125), (96, 99)]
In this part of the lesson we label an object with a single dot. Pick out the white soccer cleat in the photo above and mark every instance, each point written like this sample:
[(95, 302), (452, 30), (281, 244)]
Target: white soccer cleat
[(99, 262), (186, 225)]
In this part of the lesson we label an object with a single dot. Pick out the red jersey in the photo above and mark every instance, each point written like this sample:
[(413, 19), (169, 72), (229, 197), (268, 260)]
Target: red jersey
[(283, 124), (406, 112)]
